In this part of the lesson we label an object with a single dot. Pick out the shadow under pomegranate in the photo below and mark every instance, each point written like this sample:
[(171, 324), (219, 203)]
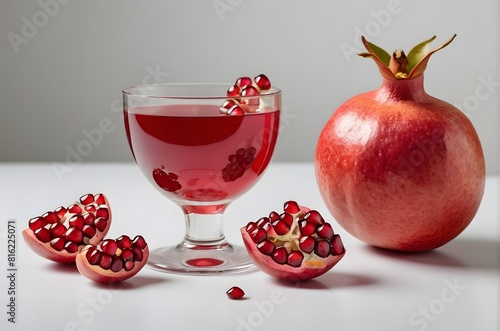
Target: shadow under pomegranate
[(330, 280)]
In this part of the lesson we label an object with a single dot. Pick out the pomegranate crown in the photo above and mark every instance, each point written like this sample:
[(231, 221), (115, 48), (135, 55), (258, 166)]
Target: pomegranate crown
[(399, 65)]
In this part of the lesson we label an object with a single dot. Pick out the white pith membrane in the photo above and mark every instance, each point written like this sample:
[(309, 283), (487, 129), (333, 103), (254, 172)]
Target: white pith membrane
[(291, 240)]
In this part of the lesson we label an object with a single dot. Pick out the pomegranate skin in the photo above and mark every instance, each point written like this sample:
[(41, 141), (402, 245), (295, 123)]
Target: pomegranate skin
[(400, 169)]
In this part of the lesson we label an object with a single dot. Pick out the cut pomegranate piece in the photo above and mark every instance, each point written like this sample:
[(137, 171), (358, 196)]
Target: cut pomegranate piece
[(58, 235), (235, 293), (295, 245), (113, 260)]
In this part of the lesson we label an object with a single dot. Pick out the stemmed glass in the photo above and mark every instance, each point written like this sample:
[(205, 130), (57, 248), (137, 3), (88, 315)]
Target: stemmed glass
[(202, 159)]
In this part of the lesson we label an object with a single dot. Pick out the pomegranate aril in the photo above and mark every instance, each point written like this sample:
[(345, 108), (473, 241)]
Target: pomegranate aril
[(262, 221), (314, 216), (251, 151), (280, 227), (307, 228), (127, 254), (247, 161), (51, 217), (227, 106), (322, 248), (234, 171), (262, 82), (108, 246), (43, 235), (251, 226), (243, 82), (337, 245), (99, 199), (237, 110), (87, 199), (102, 212), (139, 242), (172, 176), (74, 235), (124, 242), (93, 256), (75, 209), (138, 254), (58, 244), (250, 91), (280, 255), (116, 264), (36, 223), (274, 216), (235, 293), (90, 208), (287, 219), (57, 230), (233, 91), (258, 235), (77, 221), (325, 231), (88, 231), (71, 247), (60, 212), (266, 247), (241, 152), (129, 265), (295, 258), (88, 218), (105, 261), (233, 158), (307, 244), (291, 207), (100, 224)]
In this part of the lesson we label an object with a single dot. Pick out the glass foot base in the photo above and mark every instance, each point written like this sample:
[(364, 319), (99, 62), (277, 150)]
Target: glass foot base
[(201, 260)]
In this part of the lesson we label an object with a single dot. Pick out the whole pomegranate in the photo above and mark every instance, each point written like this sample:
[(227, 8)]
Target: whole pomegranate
[(396, 167)]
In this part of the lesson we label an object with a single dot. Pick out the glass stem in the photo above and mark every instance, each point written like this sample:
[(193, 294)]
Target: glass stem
[(204, 231)]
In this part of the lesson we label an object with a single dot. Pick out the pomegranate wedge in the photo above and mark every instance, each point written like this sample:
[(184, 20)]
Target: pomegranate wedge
[(295, 245), (113, 260), (59, 234)]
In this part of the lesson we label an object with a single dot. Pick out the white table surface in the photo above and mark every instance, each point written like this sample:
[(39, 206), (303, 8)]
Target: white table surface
[(455, 287)]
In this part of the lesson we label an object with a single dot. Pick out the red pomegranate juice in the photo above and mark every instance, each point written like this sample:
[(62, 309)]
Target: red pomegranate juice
[(193, 154)]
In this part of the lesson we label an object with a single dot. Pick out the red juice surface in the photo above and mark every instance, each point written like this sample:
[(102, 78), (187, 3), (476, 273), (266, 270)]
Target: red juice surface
[(192, 153)]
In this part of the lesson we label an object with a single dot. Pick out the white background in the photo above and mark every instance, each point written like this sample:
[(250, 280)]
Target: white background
[(63, 64)]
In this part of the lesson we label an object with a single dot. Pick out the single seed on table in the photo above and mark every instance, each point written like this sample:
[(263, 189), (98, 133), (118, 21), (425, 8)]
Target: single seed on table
[(235, 293)]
